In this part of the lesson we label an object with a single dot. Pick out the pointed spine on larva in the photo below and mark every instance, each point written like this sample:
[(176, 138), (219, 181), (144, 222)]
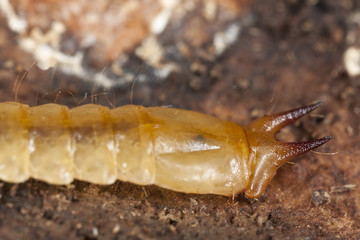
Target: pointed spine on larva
[(267, 154)]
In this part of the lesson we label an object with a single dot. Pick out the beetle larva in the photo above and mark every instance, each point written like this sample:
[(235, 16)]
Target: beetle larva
[(176, 149)]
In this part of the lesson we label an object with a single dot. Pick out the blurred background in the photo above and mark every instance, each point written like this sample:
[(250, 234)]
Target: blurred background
[(233, 59)]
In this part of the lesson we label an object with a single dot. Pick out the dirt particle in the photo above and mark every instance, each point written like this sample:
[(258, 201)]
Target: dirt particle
[(78, 226), (95, 232), (320, 197), (172, 228), (342, 188), (116, 229)]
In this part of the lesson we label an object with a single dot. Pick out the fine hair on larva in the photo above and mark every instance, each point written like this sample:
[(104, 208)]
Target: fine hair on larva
[(176, 149)]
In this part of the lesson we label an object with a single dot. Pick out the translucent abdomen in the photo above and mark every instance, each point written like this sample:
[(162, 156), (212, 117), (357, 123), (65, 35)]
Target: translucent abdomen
[(176, 149)]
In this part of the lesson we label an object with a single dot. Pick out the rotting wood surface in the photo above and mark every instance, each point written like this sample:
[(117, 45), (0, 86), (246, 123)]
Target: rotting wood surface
[(287, 54)]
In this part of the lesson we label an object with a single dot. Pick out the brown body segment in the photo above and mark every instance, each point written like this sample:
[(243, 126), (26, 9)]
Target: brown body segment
[(176, 149)]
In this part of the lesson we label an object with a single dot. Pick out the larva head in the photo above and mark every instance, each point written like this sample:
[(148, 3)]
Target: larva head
[(267, 154)]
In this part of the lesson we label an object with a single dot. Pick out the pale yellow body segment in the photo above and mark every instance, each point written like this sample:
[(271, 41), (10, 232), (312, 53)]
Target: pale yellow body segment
[(172, 148)]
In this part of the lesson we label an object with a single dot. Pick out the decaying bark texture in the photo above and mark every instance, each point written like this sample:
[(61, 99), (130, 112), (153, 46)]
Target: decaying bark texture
[(231, 59)]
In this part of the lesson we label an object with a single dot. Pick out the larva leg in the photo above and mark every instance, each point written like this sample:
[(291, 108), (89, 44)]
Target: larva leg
[(14, 155)]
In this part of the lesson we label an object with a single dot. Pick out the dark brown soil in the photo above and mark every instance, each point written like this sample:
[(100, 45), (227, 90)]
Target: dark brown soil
[(289, 53)]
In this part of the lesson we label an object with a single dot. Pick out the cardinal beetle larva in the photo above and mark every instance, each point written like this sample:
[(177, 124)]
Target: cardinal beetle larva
[(176, 149)]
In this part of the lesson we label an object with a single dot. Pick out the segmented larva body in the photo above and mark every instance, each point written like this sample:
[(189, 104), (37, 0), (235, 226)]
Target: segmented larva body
[(176, 149)]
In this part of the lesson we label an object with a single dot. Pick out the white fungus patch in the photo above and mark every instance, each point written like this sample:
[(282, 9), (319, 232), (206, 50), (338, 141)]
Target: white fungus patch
[(222, 40), (45, 48), (152, 52), (15, 22), (352, 61), (162, 19)]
